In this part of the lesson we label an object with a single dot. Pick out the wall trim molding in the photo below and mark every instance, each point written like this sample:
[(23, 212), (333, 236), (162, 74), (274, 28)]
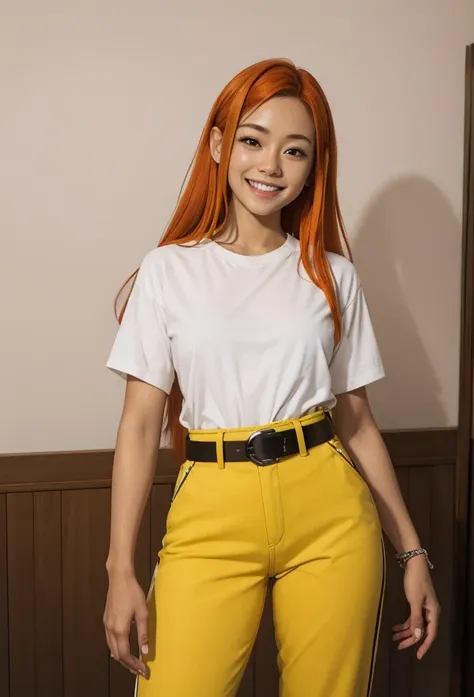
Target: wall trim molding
[(92, 469)]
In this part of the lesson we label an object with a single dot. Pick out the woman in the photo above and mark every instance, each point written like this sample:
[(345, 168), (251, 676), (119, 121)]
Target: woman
[(249, 308)]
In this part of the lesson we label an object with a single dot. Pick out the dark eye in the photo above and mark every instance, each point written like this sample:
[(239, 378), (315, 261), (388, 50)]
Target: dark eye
[(253, 142), (296, 152)]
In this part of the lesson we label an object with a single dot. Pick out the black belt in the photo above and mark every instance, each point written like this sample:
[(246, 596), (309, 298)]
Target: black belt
[(265, 447)]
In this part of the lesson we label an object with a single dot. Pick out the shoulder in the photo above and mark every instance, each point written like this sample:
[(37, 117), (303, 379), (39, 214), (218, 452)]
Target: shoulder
[(154, 268), (162, 257), (345, 276), (151, 268), (164, 263)]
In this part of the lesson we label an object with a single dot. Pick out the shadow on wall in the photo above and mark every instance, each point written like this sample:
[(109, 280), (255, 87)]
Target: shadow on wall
[(407, 253)]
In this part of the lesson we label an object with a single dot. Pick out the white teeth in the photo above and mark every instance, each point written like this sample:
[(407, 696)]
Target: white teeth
[(263, 187)]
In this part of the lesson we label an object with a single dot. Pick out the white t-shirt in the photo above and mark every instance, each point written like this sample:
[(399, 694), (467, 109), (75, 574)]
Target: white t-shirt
[(251, 338)]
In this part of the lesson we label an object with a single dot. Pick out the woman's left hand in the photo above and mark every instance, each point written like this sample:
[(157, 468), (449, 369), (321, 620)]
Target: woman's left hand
[(424, 608)]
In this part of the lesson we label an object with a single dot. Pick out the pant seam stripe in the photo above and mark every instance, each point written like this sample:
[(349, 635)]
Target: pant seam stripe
[(377, 624)]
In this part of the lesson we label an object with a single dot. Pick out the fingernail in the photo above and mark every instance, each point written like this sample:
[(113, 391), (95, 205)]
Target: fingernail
[(418, 633), (143, 674), (145, 649)]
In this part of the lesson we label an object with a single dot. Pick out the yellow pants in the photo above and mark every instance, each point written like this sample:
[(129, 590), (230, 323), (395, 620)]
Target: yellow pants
[(310, 523)]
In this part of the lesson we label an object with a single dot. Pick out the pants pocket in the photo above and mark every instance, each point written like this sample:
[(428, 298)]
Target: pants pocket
[(336, 445), (182, 479)]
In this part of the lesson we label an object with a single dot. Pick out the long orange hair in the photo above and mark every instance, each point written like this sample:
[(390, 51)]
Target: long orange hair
[(314, 217)]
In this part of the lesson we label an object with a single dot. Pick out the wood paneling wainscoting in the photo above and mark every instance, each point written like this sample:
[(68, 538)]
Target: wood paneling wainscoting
[(54, 527)]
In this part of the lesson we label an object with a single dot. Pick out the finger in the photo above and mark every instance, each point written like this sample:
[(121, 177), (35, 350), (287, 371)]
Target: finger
[(142, 633), (124, 655), (114, 655), (406, 643), (130, 670), (426, 645), (112, 644), (108, 641), (431, 634), (114, 650), (417, 624), (401, 627), (402, 635)]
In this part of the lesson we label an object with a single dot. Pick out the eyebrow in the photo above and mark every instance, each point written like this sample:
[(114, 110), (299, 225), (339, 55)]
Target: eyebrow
[(262, 129)]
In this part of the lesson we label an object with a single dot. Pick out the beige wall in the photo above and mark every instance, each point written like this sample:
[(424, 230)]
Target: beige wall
[(103, 103)]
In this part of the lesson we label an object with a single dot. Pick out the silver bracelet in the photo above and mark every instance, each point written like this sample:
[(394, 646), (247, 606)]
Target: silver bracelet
[(406, 556)]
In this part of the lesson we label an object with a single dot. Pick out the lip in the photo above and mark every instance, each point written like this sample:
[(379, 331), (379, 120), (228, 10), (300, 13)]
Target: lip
[(263, 194)]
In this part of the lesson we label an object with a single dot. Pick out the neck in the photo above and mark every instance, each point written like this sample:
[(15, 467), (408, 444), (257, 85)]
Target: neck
[(251, 234)]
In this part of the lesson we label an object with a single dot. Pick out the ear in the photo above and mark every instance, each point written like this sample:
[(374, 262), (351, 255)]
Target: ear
[(215, 144)]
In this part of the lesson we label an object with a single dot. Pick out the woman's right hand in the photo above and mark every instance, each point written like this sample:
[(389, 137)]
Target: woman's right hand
[(126, 603)]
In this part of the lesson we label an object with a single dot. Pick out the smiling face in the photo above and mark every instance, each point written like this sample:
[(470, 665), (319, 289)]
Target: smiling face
[(272, 155)]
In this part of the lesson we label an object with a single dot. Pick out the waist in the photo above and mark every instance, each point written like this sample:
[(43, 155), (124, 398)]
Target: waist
[(242, 433), (264, 444)]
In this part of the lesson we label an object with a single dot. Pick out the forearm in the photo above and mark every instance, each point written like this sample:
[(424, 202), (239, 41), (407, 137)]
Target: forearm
[(368, 451), (134, 466)]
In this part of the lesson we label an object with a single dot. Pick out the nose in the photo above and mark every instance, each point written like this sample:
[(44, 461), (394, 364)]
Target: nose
[(270, 165)]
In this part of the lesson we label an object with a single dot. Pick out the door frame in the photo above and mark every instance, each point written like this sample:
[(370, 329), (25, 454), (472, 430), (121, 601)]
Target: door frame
[(463, 631)]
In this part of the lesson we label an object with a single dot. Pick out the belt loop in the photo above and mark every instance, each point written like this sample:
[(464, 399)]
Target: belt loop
[(220, 450), (300, 437)]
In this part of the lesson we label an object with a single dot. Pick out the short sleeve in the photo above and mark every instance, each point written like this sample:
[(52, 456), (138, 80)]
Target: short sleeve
[(142, 346), (356, 361)]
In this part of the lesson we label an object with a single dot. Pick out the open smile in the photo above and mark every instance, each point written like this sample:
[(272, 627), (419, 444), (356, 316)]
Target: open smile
[(264, 190)]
